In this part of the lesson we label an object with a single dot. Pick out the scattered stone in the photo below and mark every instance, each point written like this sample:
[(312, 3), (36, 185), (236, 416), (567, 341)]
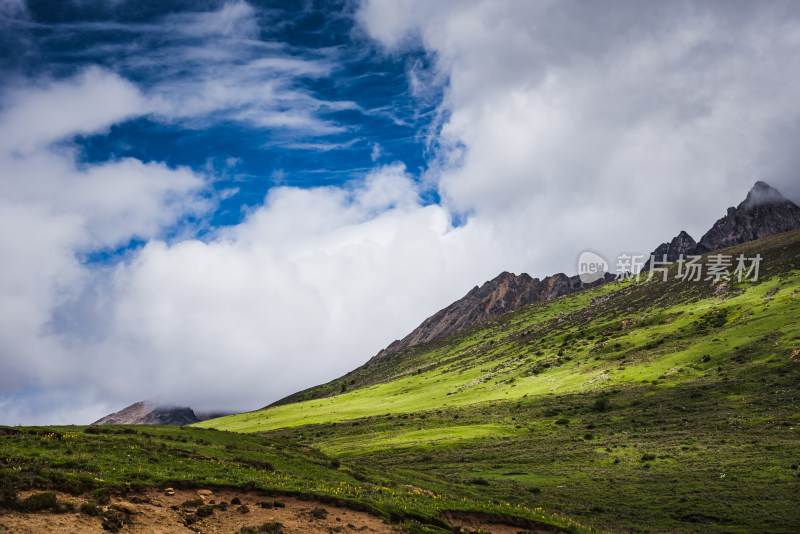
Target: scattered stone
[(721, 289), (319, 513), (169, 492), (205, 511), (243, 509)]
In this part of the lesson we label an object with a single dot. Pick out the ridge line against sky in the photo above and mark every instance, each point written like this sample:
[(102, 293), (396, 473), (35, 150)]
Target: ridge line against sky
[(218, 203)]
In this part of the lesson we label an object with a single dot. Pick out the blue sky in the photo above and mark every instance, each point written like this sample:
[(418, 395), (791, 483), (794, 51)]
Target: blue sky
[(218, 203), (312, 100)]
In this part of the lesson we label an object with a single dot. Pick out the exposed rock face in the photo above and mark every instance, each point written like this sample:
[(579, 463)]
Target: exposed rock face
[(147, 413), (763, 213), (507, 292), (681, 244)]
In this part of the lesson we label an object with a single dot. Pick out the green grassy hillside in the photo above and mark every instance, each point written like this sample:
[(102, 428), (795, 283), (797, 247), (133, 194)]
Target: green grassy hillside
[(94, 462), (636, 406)]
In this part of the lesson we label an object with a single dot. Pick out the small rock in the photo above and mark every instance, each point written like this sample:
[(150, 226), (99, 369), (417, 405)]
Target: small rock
[(205, 492), (319, 513), (169, 491)]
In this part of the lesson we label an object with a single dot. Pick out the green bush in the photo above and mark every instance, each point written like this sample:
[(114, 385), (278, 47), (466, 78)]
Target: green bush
[(39, 501), (90, 508), (601, 404), (8, 493), (101, 495)]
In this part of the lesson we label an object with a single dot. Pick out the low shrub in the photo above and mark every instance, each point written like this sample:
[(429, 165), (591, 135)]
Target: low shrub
[(39, 501), (90, 508)]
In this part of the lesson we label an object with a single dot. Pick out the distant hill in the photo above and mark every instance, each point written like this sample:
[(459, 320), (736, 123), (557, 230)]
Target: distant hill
[(148, 413)]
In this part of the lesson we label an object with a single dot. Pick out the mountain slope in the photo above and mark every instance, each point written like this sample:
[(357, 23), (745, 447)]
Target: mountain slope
[(569, 344), (660, 406)]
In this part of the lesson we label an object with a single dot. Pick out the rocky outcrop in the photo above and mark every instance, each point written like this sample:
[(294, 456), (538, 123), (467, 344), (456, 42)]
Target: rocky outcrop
[(763, 213), (148, 413), (507, 292), (681, 244)]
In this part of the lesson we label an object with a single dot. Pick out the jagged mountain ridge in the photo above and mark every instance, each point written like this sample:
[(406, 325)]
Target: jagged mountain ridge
[(506, 292), (764, 212), (149, 413)]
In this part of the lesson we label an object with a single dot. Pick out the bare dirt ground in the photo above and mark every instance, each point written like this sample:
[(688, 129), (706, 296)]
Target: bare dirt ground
[(165, 514), (154, 512)]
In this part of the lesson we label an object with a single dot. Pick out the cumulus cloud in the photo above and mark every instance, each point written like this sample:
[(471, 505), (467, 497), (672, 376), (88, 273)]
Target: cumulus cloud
[(612, 124), (306, 288), (563, 125), (55, 207), (37, 114)]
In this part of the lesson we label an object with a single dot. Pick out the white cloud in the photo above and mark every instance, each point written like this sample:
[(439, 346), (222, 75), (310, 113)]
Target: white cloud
[(54, 208), (605, 125), (308, 287), (36, 115), (564, 126)]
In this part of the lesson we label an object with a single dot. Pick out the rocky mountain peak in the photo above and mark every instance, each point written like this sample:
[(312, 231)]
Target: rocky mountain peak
[(504, 293), (764, 212), (763, 194)]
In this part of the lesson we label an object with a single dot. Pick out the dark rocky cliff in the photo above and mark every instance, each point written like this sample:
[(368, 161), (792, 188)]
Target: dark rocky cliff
[(763, 213), (507, 292)]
